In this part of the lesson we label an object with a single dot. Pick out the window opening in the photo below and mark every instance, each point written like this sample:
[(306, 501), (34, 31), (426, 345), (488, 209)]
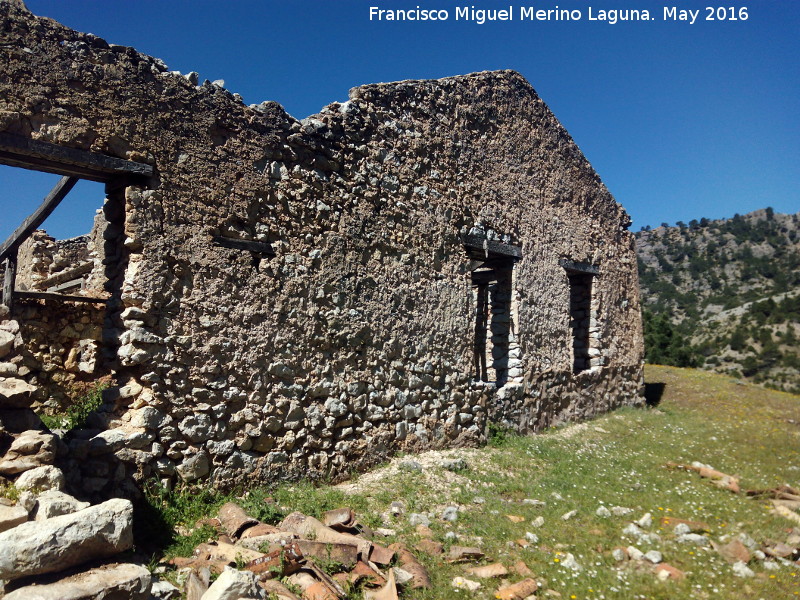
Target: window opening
[(583, 309), (72, 164), (496, 355), (580, 312), (492, 285), (83, 274)]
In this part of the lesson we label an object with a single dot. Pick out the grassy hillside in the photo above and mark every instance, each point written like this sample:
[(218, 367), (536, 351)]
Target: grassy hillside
[(529, 487), (725, 295)]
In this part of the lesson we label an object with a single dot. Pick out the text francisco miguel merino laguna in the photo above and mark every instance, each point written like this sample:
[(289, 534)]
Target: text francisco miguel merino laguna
[(531, 13)]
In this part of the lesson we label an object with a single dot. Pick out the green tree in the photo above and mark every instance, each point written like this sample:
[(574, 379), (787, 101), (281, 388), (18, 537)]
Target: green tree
[(665, 345), (738, 340)]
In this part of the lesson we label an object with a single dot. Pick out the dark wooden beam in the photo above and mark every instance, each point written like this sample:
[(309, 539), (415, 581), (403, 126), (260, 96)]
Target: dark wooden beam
[(258, 247), (481, 278), (62, 297), (67, 285), (19, 151), (47, 206), (474, 264), (579, 267), (482, 244)]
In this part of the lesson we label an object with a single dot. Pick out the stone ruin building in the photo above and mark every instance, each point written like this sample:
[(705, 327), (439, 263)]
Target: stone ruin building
[(274, 298)]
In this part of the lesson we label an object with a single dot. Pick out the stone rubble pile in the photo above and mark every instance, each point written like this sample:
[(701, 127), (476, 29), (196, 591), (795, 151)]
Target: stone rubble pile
[(739, 551), (254, 559), (52, 545)]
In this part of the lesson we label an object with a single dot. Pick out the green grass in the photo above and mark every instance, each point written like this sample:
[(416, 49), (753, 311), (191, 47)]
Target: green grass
[(165, 520), (618, 459), (78, 412), (9, 491)]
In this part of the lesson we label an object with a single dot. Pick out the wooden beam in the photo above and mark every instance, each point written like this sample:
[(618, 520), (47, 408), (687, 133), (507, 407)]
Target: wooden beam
[(47, 206), (19, 151), (252, 246), (474, 264), (579, 267), (482, 244), (68, 285), (73, 273), (62, 297), (481, 278)]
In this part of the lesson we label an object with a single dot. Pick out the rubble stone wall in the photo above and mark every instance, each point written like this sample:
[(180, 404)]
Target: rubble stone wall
[(59, 351), (356, 338), (35, 256)]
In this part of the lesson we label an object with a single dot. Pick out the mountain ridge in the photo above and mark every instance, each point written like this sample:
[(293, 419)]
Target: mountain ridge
[(724, 295)]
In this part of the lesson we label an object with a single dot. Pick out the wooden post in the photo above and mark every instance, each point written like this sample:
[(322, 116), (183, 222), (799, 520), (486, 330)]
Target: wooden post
[(10, 265)]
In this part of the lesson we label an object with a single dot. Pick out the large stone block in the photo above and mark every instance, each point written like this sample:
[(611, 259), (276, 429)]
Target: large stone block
[(110, 582), (232, 585), (194, 467), (46, 477), (61, 542), (11, 516), (54, 503), (29, 450), (6, 343), (15, 393)]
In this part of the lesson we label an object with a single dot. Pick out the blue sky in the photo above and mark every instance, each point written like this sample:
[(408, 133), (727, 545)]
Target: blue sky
[(680, 120)]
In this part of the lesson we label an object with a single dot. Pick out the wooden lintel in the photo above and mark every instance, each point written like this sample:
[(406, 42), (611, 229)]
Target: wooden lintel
[(497, 262), (62, 297), (19, 151), (484, 277), (579, 267), (47, 206), (492, 247), (236, 244)]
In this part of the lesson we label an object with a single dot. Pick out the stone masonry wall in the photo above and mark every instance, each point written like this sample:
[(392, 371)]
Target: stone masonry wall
[(60, 345), (35, 257), (59, 351), (355, 339)]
